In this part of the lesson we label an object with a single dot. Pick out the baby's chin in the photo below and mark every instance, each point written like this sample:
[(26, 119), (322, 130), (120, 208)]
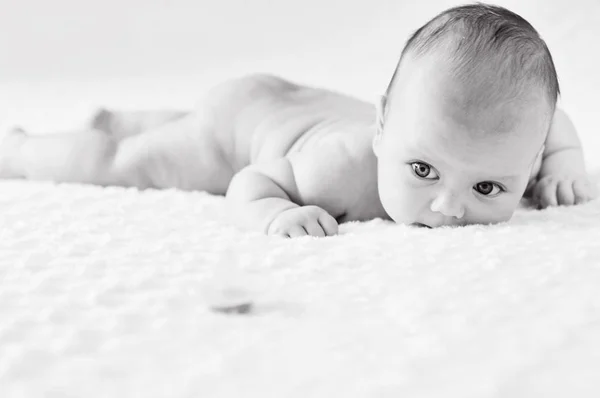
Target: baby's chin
[(403, 219)]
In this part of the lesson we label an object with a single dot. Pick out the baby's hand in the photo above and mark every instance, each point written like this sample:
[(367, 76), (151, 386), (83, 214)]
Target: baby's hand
[(303, 221), (563, 191)]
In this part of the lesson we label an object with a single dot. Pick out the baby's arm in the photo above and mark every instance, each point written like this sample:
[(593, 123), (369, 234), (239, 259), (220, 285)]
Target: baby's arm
[(563, 178), (294, 196)]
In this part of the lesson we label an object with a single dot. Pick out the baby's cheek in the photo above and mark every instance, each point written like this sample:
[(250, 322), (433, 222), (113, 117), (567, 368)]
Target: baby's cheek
[(393, 184), (500, 212), (399, 198), (388, 191)]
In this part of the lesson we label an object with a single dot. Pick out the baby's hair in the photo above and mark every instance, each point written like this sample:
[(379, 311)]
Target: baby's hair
[(477, 36)]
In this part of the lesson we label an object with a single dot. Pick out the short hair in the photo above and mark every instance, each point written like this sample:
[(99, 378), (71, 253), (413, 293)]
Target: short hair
[(483, 34)]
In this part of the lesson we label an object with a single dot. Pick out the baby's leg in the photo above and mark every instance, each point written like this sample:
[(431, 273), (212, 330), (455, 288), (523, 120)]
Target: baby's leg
[(123, 124), (78, 156), (181, 154), (83, 157)]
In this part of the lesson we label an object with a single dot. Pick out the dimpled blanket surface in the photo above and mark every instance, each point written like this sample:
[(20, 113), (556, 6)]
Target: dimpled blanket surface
[(109, 292)]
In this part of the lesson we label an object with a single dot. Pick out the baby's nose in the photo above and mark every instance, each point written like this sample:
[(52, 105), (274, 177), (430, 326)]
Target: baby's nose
[(449, 204)]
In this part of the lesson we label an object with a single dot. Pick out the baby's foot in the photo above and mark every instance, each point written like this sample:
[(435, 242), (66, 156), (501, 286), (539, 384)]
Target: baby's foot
[(10, 149), (101, 120)]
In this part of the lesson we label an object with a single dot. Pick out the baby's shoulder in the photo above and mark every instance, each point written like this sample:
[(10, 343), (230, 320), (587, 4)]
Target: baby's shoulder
[(352, 169), (247, 89), (338, 174), (357, 146), (346, 160), (348, 148)]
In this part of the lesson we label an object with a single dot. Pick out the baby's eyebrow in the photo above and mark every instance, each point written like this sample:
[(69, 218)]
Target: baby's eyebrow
[(507, 178)]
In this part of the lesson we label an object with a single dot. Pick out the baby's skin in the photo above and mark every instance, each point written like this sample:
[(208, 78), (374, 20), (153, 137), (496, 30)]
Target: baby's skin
[(296, 160)]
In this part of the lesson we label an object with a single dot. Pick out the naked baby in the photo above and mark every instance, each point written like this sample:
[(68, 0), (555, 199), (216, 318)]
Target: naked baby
[(467, 127)]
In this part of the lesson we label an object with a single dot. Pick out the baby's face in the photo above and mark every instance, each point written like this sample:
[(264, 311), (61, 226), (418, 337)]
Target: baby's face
[(442, 161)]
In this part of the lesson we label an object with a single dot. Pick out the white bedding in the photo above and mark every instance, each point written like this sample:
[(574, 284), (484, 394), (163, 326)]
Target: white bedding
[(103, 292)]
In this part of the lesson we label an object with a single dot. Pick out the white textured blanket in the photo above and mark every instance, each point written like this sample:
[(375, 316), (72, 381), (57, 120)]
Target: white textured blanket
[(103, 292)]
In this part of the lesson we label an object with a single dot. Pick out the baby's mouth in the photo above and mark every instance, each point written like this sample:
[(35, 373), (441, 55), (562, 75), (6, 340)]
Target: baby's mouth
[(420, 225)]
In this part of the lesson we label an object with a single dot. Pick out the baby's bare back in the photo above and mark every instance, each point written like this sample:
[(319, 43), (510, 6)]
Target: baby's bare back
[(260, 118)]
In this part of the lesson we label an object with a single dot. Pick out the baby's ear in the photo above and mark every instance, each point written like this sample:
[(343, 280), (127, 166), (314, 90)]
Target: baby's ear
[(380, 117)]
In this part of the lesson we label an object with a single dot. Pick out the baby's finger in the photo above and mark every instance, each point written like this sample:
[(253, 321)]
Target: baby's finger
[(537, 191), (592, 190), (296, 231), (564, 193), (581, 191), (313, 228), (547, 196), (328, 223)]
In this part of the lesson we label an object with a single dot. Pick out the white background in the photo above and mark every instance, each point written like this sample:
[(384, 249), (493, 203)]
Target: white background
[(61, 58)]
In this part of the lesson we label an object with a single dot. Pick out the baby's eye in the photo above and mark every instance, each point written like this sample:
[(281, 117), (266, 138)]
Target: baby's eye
[(423, 170), (488, 188)]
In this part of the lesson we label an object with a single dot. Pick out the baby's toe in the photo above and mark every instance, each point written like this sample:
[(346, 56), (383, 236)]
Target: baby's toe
[(584, 191)]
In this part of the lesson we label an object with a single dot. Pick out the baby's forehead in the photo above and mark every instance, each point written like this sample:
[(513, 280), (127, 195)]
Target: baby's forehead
[(478, 85), (430, 95), (450, 147)]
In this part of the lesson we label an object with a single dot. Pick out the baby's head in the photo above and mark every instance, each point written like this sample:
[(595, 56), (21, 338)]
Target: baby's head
[(464, 118)]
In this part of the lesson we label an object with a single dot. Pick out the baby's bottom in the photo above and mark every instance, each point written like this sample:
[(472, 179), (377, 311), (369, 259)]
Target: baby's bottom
[(136, 149)]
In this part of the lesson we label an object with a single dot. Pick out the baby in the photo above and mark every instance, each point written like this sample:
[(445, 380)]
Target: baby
[(467, 127)]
